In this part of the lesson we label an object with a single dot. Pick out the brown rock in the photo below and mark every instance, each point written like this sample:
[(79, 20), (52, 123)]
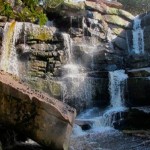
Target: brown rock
[(40, 117)]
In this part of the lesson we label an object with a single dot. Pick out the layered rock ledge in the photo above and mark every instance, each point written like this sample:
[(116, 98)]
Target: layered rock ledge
[(40, 117)]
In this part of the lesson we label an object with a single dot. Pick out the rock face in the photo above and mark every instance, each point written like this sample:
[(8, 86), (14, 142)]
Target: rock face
[(98, 34), (40, 117)]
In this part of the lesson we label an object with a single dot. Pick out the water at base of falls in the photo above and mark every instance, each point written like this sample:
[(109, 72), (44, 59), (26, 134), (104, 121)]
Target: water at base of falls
[(103, 120)]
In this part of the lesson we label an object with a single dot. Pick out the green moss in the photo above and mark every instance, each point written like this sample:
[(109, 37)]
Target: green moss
[(42, 34), (55, 88), (114, 19), (74, 6), (112, 11)]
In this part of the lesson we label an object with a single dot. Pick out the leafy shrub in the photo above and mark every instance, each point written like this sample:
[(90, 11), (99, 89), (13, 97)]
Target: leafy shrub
[(24, 10)]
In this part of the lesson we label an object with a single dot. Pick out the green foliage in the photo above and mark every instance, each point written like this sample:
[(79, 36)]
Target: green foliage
[(136, 6), (24, 10), (6, 9)]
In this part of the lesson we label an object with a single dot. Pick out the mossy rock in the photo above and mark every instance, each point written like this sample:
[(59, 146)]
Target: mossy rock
[(74, 6), (40, 33), (67, 8), (53, 88), (116, 20)]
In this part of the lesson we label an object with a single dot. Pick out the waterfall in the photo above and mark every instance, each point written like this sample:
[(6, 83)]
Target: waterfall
[(117, 81), (75, 82), (9, 61), (138, 37)]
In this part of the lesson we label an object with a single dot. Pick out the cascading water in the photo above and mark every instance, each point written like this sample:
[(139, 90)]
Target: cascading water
[(75, 83), (117, 81), (138, 37), (9, 62), (103, 120)]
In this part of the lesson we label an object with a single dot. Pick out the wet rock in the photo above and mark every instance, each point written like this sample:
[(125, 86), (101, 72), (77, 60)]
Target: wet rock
[(142, 72), (84, 124), (40, 117), (121, 44), (138, 91), (146, 39), (136, 119), (137, 61), (77, 96), (145, 20)]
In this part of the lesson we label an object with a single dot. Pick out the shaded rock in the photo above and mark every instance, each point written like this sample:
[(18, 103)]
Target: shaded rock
[(45, 120), (3, 18), (23, 48), (145, 20), (75, 94), (84, 124), (137, 61), (136, 119), (142, 72), (138, 91), (147, 39), (120, 43)]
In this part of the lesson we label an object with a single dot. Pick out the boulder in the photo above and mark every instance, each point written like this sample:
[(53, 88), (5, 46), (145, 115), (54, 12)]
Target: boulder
[(40, 117)]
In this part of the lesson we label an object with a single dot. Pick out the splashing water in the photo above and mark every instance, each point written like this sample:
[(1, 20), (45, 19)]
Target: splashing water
[(116, 87), (138, 37), (9, 61), (75, 82)]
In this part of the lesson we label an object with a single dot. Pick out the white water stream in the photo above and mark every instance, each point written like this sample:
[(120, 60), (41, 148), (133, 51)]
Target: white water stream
[(75, 82), (78, 87), (138, 37), (103, 120), (9, 61)]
